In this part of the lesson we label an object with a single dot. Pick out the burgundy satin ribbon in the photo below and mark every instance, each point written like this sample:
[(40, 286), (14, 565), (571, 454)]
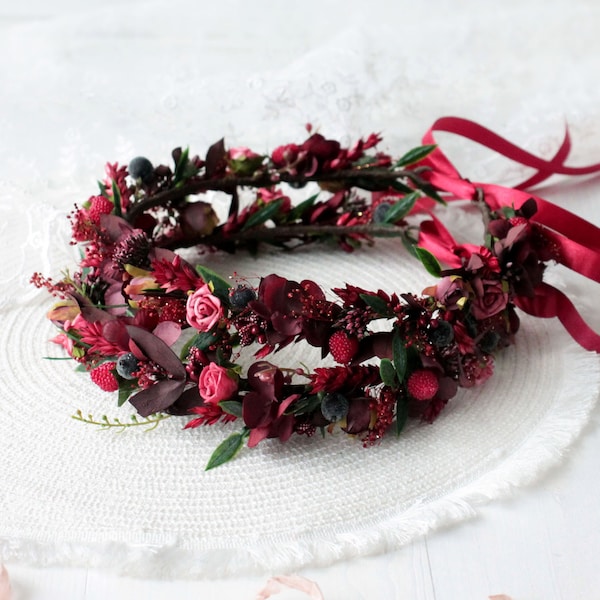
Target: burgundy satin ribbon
[(576, 241)]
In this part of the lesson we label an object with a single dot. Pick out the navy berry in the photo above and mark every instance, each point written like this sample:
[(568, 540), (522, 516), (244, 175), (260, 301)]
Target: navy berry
[(127, 365), (241, 295), (141, 168), (334, 406)]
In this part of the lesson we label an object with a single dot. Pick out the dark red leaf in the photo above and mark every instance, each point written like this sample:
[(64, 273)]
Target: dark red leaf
[(215, 158), (157, 397), (156, 350)]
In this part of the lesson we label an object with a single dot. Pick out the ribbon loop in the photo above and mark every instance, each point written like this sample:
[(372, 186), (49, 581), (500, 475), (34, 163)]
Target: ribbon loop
[(573, 241)]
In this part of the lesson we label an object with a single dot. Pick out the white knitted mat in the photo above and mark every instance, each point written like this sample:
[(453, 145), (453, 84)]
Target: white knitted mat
[(140, 502)]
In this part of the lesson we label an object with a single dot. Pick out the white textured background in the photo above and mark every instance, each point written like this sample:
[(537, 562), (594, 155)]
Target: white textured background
[(85, 81)]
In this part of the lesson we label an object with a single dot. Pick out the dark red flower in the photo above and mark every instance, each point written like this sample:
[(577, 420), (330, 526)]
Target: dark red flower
[(263, 408), (293, 310)]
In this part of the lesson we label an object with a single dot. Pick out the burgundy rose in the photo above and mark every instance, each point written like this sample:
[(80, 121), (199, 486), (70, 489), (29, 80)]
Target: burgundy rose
[(450, 291), (203, 309), (491, 297), (216, 383)]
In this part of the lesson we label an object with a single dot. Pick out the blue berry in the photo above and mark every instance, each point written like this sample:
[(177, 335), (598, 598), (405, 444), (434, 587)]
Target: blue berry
[(334, 406), (380, 212), (441, 334), (241, 295), (127, 365), (141, 168), (489, 341)]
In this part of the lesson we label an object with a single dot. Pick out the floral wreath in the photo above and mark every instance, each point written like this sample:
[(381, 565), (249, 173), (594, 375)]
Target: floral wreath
[(133, 299)]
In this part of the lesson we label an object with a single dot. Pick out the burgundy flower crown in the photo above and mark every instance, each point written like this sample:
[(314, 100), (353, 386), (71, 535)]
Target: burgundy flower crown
[(169, 336)]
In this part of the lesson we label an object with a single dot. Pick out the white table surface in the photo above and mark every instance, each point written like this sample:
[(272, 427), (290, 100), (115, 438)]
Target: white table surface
[(541, 544)]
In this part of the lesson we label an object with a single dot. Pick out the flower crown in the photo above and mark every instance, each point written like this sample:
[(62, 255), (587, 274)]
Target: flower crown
[(132, 300)]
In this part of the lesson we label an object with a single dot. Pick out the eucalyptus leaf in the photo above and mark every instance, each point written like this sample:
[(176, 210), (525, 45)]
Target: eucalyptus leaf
[(415, 155), (267, 212), (231, 407), (219, 285), (124, 393), (297, 211), (387, 372), (399, 355), (400, 209), (401, 412), (304, 405), (376, 303), (401, 187), (181, 166), (116, 192), (430, 262), (226, 450)]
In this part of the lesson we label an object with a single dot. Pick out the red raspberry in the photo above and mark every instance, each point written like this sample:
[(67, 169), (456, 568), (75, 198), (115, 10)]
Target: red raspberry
[(423, 384), (343, 347), (99, 205), (514, 221), (104, 377)]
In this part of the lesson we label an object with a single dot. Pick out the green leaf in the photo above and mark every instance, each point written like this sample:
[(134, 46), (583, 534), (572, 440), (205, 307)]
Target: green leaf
[(268, 211), (219, 285), (181, 165), (401, 208), (231, 407), (124, 392), (401, 187), (415, 155), (399, 355), (430, 262), (401, 412), (387, 372), (304, 405), (509, 212), (297, 211), (227, 449), (116, 192), (376, 303)]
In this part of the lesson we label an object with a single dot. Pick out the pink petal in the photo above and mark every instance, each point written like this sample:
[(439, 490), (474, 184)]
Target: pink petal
[(168, 332), (294, 582), (5, 593)]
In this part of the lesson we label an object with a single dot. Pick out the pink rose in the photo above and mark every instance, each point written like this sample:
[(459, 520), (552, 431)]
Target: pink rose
[(241, 153), (216, 384), (203, 309), (491, 297)]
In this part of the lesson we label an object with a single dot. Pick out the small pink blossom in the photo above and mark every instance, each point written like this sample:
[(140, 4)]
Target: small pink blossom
[(242, 153), (216, 384), (203, 309)]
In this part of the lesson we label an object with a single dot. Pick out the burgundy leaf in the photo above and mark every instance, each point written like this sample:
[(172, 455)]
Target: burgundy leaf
[(376, 344), (158, 397), (156, 350), (359, 415), (256, 410), (188, 400), (215, 158)]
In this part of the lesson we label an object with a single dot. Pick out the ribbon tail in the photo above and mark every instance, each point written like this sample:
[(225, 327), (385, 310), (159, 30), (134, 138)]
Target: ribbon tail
[(433, 236), (549, 302)]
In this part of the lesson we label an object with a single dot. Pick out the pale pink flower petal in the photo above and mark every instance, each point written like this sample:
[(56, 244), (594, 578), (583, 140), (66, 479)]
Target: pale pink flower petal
[(5, 593), (168, 332), (294, 582)]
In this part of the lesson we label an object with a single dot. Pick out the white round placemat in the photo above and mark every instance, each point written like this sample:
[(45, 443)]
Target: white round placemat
[(142, 503)]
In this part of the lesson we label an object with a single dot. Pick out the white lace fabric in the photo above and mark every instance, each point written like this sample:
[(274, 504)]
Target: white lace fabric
[(141, 502)]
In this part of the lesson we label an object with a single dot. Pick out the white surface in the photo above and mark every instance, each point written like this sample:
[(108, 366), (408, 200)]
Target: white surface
[(542, 544)]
